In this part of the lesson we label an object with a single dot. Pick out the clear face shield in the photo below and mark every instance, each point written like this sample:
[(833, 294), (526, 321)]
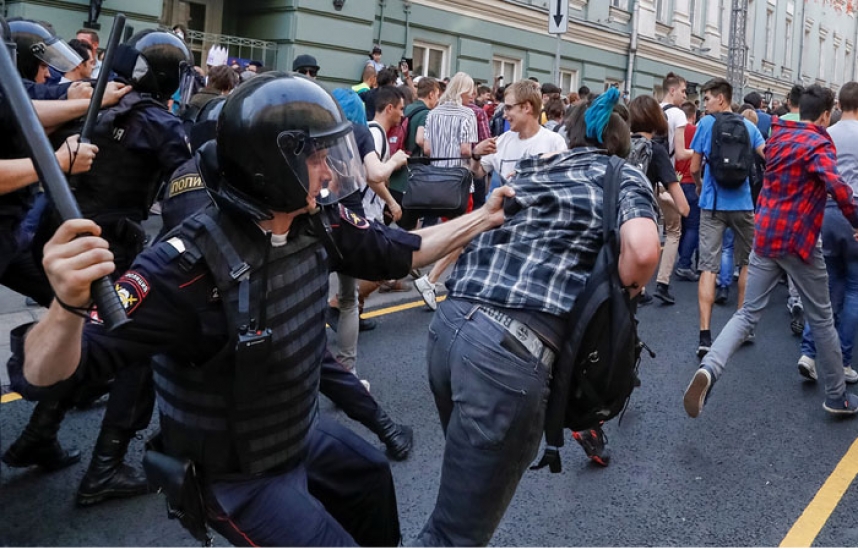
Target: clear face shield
[(12, 48), (329, 168), (186, 84), (57, 54)]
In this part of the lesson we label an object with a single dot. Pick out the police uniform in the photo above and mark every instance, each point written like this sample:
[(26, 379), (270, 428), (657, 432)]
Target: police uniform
[(224, 408)]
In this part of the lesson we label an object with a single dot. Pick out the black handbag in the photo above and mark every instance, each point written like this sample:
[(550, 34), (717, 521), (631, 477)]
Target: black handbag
[(437, 190)]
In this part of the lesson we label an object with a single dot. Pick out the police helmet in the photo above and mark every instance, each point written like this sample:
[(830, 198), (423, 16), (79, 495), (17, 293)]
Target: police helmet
[(6, 37), (162, 58), (205, 123), (37, 43), (282, 141)]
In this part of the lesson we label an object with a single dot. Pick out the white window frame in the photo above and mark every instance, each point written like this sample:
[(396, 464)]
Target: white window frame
[(503, 62), (822, 71), (610, 82), (662, 8), (788, 30), (750, 22), (427, 47), (770, 34), (570, 77)]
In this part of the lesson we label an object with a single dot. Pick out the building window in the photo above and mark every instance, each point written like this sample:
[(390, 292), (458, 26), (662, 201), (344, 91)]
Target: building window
[(662, 11), (750, 22), (696, 17), (788, 43), (430, 60), (836, 77), (611, 83), (621, 4), (510, 69), (821, 75), (568, 81), (770, 34)]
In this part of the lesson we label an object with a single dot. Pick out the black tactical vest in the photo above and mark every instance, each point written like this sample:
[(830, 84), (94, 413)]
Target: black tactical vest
[(123, 180), (249, 409)]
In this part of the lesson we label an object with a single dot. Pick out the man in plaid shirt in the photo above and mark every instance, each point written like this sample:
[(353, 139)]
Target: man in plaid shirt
[(801, 169)]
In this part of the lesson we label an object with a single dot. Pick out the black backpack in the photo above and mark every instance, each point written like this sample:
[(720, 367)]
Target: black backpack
[(731, 157), (596, 370), (496, 125)]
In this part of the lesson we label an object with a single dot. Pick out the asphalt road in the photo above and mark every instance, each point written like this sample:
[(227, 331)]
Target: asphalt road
[(740, 475)]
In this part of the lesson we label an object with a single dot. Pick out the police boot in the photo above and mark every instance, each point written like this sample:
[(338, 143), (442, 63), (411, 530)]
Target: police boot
[(397, 437), (108, 476), (38, 445)]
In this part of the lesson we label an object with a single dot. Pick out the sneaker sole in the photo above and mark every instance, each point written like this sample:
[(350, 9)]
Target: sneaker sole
[(839, 412), (667, 301), (695, 395), (805, 371)]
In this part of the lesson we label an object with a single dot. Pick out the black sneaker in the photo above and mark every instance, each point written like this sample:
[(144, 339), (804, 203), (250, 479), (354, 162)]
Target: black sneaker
[(686, 274), (796, 324), (662, 292), (595, 445), (722, 295), (644, 299), (704, 346), (366, 324)]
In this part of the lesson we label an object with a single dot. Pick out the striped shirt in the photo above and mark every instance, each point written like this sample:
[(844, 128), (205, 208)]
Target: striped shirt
[(448, 126)]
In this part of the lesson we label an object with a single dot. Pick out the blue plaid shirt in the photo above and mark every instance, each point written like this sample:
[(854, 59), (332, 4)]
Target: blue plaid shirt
[(540, 259)]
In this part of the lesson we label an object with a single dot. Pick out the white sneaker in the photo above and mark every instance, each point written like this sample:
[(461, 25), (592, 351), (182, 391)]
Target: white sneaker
[(850, 375), (427, 290), (807, 368)]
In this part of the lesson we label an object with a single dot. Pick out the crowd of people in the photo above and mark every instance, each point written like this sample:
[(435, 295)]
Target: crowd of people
[(267, 182)]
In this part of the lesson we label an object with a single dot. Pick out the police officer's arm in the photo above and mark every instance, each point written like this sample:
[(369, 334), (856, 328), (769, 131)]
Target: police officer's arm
[(18, 173), (53, 113), (53, 347), (440, 240)]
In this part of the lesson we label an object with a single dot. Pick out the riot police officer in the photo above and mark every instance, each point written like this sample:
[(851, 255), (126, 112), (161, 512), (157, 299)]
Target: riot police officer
[(231, 307), (140, 143)]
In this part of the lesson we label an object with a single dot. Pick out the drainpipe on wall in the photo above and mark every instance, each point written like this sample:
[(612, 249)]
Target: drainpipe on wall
[(382, 3), (406, 7), (633, 46)]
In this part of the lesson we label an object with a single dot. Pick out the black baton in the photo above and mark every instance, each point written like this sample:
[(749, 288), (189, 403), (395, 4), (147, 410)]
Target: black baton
[(110, 308), (103, 76)]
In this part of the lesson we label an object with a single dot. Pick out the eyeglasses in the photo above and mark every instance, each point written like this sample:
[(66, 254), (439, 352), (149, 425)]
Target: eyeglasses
[(309, 72), (508, 108)]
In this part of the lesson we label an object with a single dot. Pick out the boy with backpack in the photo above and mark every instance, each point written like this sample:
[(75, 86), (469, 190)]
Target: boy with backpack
[(788, 225), (728, 142)]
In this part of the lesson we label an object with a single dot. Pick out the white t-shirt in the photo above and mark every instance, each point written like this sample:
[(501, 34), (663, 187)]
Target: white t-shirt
[(373, 207), (676, 120), (511, 149)]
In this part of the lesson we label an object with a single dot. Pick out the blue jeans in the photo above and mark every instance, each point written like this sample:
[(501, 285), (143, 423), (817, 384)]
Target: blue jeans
[(491, 402), (841, 261), (690, 227), (725, 275)]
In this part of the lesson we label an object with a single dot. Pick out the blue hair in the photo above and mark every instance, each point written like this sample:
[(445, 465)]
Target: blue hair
[(351, 104), (599, 113)]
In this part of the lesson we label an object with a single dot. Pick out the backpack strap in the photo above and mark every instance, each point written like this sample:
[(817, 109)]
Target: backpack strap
[(555, 412)]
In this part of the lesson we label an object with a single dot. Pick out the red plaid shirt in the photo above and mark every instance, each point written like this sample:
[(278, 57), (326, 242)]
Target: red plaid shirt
[(483, 131), (801, 169)]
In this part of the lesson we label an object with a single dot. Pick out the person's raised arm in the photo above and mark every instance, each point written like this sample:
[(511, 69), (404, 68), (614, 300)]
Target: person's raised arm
[(72, 263), (18, 173)]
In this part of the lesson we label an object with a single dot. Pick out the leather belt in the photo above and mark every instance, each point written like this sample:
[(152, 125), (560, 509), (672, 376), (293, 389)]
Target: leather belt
[(523, 334)]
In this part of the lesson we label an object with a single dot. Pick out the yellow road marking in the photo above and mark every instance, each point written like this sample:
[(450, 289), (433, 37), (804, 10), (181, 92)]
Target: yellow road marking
[(395, 309), (9, 397), (813, 519)]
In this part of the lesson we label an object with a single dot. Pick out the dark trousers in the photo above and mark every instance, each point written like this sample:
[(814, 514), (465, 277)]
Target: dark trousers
[(344, 388), (409, 219), (690, 238), (341, 495)]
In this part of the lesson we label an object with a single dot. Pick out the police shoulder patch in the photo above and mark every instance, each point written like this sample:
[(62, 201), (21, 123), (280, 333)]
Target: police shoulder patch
[(353, 219), (185, 183), (132, 289)]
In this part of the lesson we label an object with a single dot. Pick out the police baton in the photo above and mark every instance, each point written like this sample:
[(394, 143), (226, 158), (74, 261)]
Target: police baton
[(103, 76), (110, 308)]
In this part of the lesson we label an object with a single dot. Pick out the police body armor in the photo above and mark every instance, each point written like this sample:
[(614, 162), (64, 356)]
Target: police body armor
[(250, 408)]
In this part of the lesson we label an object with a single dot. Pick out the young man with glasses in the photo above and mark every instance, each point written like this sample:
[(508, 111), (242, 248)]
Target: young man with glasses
[(306, 65)]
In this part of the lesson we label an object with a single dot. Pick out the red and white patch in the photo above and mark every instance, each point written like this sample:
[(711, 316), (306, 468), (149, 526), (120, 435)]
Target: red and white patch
[(132, 289), (353, 219)]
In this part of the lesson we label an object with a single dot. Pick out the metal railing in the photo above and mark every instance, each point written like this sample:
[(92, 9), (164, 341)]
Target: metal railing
[(238, 46)]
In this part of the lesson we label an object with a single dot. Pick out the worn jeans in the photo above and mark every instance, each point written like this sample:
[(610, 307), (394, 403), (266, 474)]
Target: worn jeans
[(491, 402), (841, 260), (725, 274), (811, 280), (690, 227), (348, 326)]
